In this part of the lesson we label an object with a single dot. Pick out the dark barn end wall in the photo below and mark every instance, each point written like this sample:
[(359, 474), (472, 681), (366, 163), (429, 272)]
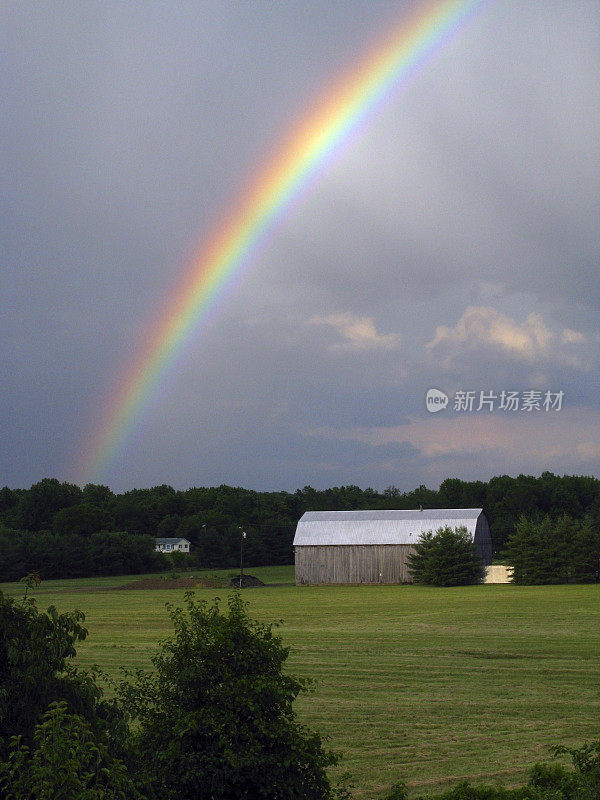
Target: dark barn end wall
[(483, 539), (384, 563)]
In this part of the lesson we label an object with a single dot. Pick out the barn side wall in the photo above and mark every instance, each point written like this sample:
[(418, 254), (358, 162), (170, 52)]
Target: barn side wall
[(383, 563), (483, 539)]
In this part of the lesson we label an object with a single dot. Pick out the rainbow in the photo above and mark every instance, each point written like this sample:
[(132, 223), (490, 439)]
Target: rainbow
[(305, 156)]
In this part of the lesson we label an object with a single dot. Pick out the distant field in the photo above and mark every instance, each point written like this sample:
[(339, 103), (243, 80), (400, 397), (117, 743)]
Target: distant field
[(420, 684), (266, 575)]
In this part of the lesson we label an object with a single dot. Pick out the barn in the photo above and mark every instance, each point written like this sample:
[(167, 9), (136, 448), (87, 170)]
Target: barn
[(372, 546)]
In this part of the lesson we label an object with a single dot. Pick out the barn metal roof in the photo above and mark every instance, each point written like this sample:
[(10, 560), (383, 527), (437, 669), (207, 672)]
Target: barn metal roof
[(379, 527)]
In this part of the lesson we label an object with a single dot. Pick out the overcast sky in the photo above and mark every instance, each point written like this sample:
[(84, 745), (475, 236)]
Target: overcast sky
[(455, 244)]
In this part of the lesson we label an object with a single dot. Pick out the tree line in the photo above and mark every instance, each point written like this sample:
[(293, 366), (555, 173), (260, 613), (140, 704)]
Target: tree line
[(61, 530), (562, 550)]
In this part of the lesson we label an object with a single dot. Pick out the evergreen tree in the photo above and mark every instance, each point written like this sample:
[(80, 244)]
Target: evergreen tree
[(446, 558), (562, 550)]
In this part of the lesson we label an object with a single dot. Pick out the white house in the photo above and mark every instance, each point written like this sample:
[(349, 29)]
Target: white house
[(171, 545)]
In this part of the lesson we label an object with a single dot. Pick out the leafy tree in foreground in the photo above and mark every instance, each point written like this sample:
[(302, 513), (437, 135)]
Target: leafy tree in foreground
[(36, 651), (66, 761), (215, 717), (446, 558)]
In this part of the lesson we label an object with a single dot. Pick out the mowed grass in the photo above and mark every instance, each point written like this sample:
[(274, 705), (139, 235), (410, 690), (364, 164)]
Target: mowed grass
[(426, 685)]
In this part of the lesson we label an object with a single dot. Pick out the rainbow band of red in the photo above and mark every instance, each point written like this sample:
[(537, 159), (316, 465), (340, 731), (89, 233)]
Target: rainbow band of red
[(304, 158)]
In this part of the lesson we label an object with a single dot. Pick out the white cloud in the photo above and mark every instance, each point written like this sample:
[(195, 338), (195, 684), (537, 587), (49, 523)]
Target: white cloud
[(486, 328), (572, 337), (357, 333)]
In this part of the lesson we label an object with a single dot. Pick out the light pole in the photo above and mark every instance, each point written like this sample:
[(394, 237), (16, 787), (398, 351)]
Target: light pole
[(242, 537)]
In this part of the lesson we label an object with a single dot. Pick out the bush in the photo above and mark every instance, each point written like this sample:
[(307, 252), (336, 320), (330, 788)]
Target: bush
[(546, 781), (215, 718), (36, 652), (180, 561), (397, 792), (67, 760), (446, 558)]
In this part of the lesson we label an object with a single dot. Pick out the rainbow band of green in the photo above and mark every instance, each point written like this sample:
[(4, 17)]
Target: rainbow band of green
[(288, 176)]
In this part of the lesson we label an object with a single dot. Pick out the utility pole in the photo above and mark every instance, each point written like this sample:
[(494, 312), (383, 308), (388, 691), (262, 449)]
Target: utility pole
[(242, 537)]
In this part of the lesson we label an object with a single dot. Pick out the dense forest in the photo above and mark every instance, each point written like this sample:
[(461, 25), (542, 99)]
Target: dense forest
[(61, 530)]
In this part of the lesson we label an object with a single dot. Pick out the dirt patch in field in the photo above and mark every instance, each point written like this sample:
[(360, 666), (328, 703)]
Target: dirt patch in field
[(161, 583), (247, 582), (190, 582)]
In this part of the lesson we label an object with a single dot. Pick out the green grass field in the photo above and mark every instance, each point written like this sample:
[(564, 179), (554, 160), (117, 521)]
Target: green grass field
[(420, 684)]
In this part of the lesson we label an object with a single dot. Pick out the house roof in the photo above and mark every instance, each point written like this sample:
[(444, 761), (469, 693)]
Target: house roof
[(379, 527), (171, 540)]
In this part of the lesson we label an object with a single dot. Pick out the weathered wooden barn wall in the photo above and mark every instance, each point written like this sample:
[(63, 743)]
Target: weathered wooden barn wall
[(383, 563)]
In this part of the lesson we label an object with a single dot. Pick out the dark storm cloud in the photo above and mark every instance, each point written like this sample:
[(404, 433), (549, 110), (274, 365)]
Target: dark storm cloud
[(128, 130)]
